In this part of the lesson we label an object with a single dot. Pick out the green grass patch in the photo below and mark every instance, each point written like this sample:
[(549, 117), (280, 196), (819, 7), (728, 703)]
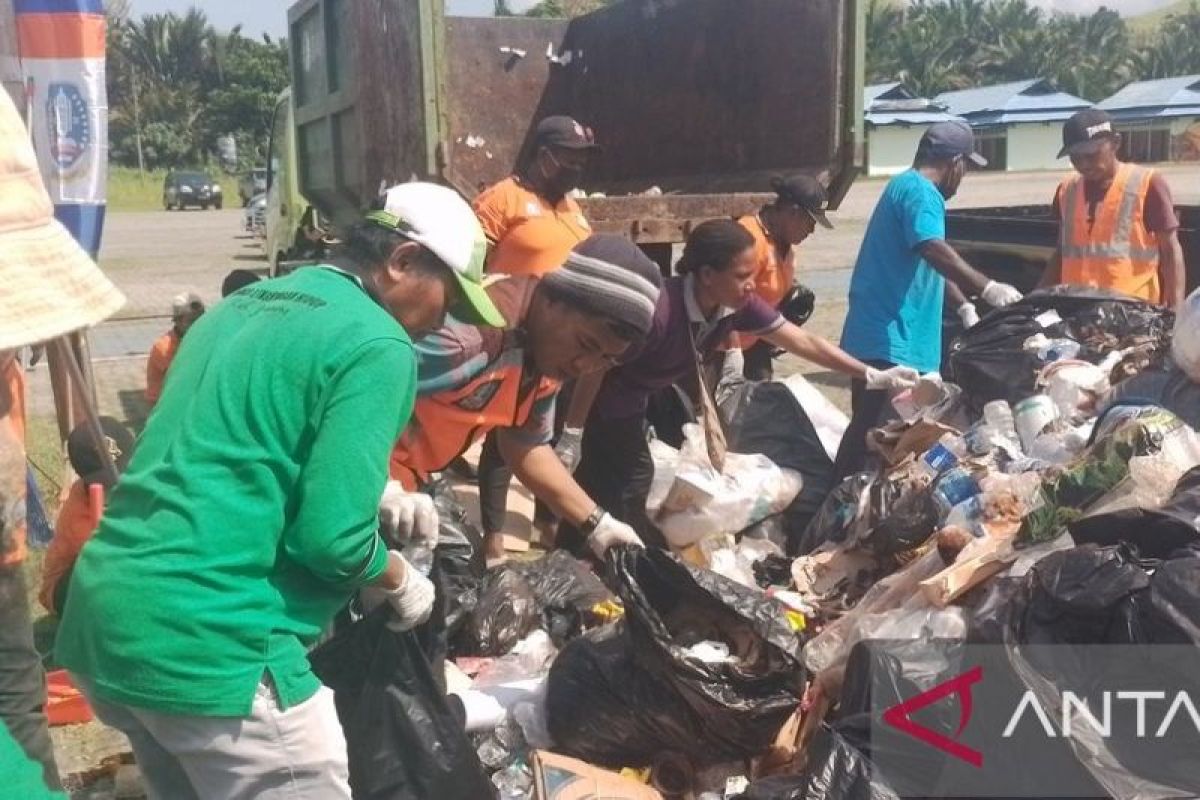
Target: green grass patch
[(129, 190)]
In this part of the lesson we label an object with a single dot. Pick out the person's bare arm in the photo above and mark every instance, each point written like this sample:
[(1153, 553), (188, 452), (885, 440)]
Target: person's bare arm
[(1052, 275), (819, 351), (544, 475), (946, 260), (586, 389), (1172, 273), (954, 295)]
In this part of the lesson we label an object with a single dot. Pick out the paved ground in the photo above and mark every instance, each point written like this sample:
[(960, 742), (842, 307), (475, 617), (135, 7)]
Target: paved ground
[(155, 255)]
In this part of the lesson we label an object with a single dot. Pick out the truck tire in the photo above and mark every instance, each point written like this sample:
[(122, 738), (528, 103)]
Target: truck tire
[(218, 203)]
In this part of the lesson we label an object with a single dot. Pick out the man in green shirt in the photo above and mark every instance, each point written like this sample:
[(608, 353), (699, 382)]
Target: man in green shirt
[(249, 513)]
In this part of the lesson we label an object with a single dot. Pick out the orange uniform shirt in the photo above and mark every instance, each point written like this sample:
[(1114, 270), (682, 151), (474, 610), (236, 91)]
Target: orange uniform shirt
[(12, 468), (529, 235), (161, 355), (75, 525), (775, 274)]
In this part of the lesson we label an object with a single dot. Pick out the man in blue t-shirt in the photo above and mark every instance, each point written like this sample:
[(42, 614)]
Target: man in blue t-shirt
[(895, 316)]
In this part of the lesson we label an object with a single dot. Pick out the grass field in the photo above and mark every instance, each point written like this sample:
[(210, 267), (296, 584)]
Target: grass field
[(130, 191)]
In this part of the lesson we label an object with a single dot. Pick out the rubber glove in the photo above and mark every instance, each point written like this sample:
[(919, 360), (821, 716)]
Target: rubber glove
[(891, 379), (999, 295), (611, 531)]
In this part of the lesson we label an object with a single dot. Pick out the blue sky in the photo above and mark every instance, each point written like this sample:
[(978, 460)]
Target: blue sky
[(270, 16)]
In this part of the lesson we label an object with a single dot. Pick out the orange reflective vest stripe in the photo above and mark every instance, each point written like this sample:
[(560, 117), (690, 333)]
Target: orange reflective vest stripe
[(446, 424), (1116, 250)]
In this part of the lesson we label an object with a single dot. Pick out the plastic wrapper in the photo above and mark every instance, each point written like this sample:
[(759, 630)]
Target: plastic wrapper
[(701, 501), (990, 362), (618, 697), (900, 590), (838, 516), (506, 612), (1121, 435), (404, 739)]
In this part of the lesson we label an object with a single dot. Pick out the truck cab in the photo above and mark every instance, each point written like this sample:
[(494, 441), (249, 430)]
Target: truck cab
[(293, 231)]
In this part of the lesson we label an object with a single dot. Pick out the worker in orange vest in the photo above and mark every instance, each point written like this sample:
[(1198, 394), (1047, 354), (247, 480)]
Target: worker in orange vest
[(1117, 223)]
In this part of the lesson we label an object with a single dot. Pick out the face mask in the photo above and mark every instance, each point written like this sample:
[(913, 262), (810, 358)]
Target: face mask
[(561, 179)]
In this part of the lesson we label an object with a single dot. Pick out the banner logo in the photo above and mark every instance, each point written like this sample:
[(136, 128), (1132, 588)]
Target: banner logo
[(69, 125)]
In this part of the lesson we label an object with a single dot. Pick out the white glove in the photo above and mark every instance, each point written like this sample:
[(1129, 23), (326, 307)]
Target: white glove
[(412, 600), (611, 531), (891, 379), (969, 315), (406, 516), (570, 447), (999, 295)]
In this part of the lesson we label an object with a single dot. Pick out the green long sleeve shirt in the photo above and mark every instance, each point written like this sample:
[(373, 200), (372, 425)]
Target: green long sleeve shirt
[(248, 514)]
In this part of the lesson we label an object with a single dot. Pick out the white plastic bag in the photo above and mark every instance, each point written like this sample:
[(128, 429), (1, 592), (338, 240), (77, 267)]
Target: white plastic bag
[(828, 420), (700, 501), (1185, 340)]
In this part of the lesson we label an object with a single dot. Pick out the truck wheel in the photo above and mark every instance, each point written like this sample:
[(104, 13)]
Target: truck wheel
[(217, 204), (204, 206)]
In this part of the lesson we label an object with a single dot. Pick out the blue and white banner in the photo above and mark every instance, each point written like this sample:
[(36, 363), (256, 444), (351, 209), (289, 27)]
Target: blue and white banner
[(61, 46)]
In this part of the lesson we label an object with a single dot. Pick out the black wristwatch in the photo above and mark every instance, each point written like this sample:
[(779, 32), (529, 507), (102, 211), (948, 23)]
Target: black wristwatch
[(593, 520)]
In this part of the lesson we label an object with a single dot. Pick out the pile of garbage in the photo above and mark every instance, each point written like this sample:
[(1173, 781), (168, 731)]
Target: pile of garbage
[(1047, 490)]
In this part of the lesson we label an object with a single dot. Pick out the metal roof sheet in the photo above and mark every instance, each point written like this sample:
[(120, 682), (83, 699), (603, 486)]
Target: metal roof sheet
[(1019, 101), (1164, 94)]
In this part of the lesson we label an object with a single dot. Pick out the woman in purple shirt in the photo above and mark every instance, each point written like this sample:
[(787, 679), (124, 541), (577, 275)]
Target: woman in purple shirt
[(701, 310)]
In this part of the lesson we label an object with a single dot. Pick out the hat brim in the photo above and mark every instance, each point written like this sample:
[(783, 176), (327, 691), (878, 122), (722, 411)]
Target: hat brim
[(51, 286), (475, 306), (977, 159), (1084, 148), (573, 145), (819, 217)]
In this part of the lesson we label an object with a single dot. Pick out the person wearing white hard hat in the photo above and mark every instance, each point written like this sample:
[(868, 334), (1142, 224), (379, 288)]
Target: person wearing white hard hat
[(251, 510), (186, 308)]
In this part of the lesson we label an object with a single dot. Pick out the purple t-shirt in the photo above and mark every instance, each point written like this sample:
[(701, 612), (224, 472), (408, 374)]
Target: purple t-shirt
[(666, 355)]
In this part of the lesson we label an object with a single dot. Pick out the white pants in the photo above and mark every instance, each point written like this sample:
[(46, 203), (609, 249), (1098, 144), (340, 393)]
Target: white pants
[(297, 754)]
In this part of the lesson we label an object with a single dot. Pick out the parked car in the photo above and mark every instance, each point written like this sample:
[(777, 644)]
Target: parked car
[(252, 184), (183, 189), (254, 218)]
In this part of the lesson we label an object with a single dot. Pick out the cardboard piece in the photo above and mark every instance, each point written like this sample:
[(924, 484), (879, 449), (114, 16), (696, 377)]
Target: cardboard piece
[(975, 565), (557, 777)]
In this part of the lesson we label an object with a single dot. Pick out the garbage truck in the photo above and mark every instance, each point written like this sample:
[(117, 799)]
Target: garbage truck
[(696, 104)]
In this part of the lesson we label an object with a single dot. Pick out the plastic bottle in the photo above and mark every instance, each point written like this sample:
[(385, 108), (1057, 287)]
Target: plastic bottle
[(943, 456), (955, 486), (999, 417), (1058, 350), (419, 553)]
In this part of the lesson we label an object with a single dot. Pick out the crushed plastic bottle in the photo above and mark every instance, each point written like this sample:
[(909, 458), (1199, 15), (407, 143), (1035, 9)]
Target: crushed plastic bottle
[(1058, 350), (943, 456), (999, 417), (514, 782), (955, 486), (419, 553)]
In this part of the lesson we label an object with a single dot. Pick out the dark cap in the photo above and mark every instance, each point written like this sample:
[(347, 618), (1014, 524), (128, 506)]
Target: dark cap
[(803, 191), (1085, 130), (562, 131), (950, 139), (84, 459)]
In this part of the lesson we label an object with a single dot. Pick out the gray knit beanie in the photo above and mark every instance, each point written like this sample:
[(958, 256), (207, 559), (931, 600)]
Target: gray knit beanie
[(609, 275)]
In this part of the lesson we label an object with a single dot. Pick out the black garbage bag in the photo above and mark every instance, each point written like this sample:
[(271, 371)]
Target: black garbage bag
[(1170, 611), (507, 611), (902, 516), (835, 519), (459, 557), (670, 606), (765, 417), (566, 590), (1156, 533), (404, 739), (835, 770), (667, 411), (621, 694), (989, 361), (605, 709)]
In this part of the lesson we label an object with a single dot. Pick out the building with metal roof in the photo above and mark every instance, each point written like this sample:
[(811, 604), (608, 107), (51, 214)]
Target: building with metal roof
[(1018, 125), (896, 118), (1159, 120)]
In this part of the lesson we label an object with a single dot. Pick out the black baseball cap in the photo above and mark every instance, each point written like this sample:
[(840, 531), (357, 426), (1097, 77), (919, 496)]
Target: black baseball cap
[(950, 139), (81, 452), (803, 191), (1085, 130), (563, 131)]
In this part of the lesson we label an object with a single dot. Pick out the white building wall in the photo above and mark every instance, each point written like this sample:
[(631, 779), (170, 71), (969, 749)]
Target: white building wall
[(1034, 146), (890, 148)]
